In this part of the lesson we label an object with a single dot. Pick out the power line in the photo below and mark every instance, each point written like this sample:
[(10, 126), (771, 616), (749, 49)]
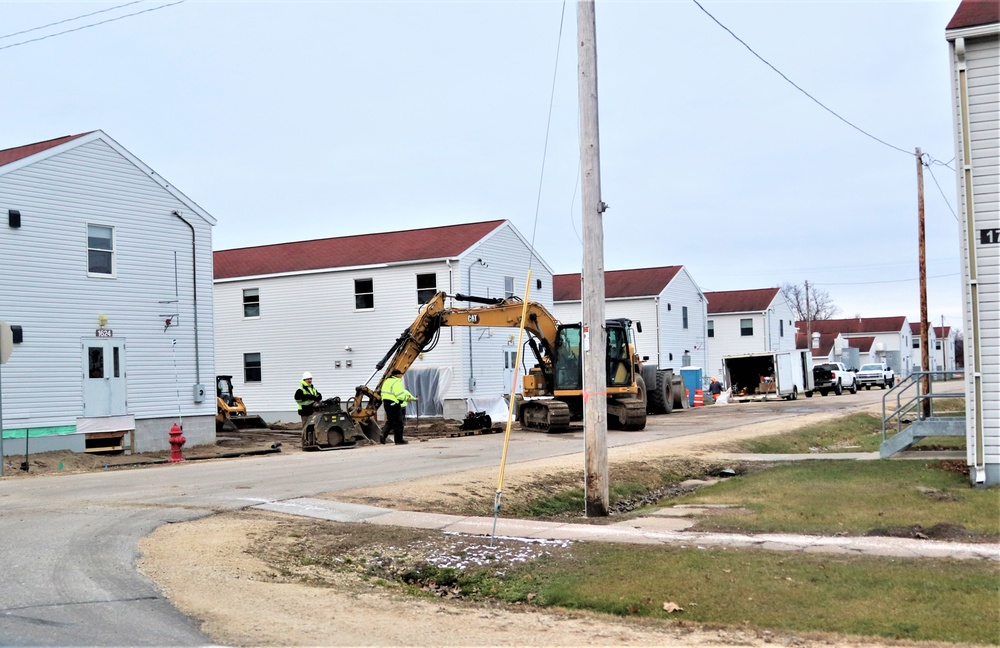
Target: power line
[(945, 198), (548, 124), (872, 283), (103, 22), (797, 87), (59, 22)]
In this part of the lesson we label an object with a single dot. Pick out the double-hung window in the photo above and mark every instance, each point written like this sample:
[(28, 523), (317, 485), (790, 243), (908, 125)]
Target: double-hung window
[(426, 287), (364, 294), (251, 367), (251, 302), (100, 251), (746, 327)]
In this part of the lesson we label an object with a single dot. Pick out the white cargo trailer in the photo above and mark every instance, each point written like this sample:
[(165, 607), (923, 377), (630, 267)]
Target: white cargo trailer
[(769, 376)]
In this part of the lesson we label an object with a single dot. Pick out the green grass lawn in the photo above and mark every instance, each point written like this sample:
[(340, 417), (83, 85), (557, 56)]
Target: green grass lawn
[(853, 497), (955, 601), (854, 433)]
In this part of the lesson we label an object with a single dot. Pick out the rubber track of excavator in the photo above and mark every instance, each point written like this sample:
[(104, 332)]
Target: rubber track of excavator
[(554, 413), (634, 411)]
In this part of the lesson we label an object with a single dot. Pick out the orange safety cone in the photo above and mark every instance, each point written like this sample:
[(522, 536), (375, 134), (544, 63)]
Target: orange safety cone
[(699, 398)]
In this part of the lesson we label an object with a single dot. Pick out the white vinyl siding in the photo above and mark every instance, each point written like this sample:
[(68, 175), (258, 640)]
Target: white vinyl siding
[(58, 304), (664, 339), (982, 52), (341, 346)]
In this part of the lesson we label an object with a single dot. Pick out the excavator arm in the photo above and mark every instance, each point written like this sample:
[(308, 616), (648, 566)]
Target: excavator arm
[(422, 335)]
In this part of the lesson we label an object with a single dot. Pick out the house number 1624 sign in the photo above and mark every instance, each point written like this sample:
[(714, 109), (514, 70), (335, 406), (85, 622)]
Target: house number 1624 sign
[(104, 333)]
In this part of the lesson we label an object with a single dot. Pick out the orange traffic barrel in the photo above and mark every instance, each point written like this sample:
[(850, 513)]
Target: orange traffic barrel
[(699, 398)]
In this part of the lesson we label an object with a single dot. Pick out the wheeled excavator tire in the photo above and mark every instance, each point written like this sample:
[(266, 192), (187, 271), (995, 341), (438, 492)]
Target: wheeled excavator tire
[(544, 415), (659, 399)]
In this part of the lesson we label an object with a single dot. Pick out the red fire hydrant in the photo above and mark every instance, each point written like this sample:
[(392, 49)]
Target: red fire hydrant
[(176, 441)]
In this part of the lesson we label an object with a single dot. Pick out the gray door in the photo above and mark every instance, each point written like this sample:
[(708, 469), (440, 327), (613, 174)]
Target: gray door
[(104, 377)]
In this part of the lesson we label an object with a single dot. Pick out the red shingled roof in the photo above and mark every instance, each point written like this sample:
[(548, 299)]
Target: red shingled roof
[(825, 343), (973, 13), (864, 343), (856, 325), (642, 282), (915, 328), (14, 154), (740, 301), (345, 251), (942, 331)]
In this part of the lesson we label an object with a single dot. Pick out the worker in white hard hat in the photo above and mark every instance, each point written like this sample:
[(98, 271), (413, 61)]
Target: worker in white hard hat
[(307, 397)]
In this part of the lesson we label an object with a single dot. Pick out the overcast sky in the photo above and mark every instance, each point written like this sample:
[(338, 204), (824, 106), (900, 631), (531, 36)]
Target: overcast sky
[(299, 120)]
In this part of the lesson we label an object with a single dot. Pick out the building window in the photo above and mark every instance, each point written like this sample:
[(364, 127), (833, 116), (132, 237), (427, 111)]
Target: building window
[(251, 367), (508, 287), (746, 327), (711, 328), (251, 302), (684, 316), (364, 294), (916, 343), (781, 328), (426, 287), (100, 250), (937, 344)]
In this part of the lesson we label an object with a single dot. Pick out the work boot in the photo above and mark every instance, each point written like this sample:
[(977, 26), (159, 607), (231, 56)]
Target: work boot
[(400, 441)]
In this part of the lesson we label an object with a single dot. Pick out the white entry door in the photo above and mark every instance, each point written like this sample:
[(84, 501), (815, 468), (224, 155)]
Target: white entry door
[(104, 377), (510, 369)]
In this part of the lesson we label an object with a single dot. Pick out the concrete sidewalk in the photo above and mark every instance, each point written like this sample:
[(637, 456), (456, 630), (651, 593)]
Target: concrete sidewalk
[(663, 526)]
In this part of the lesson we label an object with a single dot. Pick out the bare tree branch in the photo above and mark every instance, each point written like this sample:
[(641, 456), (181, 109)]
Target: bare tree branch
[(821, 306)]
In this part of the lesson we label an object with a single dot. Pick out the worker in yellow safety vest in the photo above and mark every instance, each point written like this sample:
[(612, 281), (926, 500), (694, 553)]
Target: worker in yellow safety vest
[(394, 400), (307, 397)]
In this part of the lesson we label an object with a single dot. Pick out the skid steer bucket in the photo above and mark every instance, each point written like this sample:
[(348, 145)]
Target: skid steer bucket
[(248, 422)]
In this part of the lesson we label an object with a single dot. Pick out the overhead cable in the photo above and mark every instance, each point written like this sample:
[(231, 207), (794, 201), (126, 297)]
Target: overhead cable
[(102, 22), (60, 22), (799, 88)]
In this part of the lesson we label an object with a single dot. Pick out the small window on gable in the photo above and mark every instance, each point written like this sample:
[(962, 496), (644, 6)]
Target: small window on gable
[(916, 343), (684, 316), (251, 367), (426, 287), (364, 294), (251, 302), (746, 327), (100, 250), (937, 344), (508, 287), (781, 328), (711, 328)]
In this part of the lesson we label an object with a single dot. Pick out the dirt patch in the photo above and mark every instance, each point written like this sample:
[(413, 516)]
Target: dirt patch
[(940, 531), (252, 588)]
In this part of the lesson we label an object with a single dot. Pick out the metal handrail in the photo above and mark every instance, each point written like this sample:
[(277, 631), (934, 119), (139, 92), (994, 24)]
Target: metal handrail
[(915, 402)]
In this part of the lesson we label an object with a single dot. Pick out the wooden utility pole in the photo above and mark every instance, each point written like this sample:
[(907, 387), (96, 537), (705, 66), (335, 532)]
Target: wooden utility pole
[(809, 321), (925, 352), (595, 398)]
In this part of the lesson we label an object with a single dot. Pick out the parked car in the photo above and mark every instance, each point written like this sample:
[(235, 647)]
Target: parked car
[(878, 374), (835, 377)]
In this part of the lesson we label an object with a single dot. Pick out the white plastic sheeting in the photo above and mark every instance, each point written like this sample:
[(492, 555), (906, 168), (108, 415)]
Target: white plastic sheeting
[(495, 407), (429, 385)]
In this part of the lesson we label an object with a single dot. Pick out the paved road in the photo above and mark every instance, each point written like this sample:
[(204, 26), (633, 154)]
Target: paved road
[(69, 541)]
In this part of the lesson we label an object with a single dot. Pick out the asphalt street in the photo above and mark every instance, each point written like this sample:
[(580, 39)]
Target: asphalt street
[(70, 541)]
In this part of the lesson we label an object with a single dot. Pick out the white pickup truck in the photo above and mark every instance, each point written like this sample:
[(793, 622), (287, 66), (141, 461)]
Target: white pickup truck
[(843, 378), (876, 374)]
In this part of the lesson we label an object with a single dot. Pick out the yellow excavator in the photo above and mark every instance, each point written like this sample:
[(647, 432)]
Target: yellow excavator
[(231, 413), (552, 388)]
